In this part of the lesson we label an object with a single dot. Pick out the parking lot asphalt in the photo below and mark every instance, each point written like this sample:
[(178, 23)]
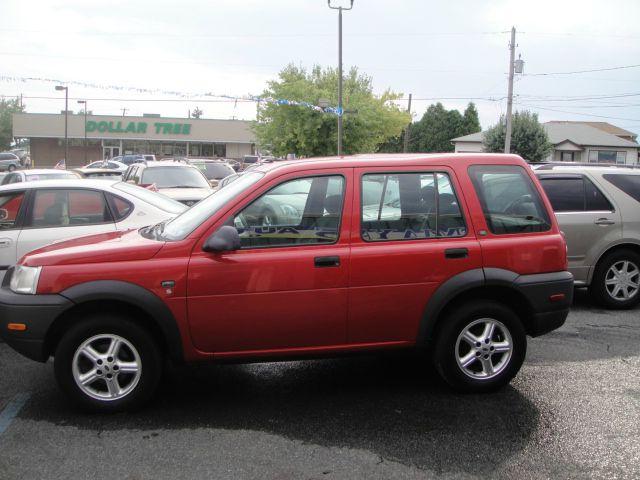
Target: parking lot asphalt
[(572, 412)]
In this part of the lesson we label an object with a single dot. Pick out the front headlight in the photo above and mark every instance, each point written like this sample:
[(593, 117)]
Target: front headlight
[(25, 279)]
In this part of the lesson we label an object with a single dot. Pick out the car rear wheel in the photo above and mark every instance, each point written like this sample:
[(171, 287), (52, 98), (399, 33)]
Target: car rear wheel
[(108, 364), (11, 168), (480, 347), (616, 280)]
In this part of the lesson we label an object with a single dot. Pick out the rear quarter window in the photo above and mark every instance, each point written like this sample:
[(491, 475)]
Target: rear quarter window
[(509, 199), (629, 184)]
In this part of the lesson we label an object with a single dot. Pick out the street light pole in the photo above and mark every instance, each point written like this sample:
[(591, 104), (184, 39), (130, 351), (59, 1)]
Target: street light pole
[(85, 128), (340, 112), (66, 118)]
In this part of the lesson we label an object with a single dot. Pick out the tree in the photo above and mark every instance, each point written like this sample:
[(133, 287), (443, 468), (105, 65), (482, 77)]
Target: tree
[(369, 120), (471, 122), (528, 137), (197, 113), (7, 109), (438, 126)]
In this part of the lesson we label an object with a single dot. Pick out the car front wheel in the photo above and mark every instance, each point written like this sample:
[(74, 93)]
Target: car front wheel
[(480, 347), (107, 364), (616, 280)]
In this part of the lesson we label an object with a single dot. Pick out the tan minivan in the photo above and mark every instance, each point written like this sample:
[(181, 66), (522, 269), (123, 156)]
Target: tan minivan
[(598, 209)]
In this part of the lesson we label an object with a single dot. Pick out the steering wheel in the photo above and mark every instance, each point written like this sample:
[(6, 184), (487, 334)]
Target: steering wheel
[(511, 207)]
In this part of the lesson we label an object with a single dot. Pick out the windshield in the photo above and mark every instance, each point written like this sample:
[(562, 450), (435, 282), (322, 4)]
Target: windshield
[(174, 177), (215, 170), (183, 225), (157, 200)]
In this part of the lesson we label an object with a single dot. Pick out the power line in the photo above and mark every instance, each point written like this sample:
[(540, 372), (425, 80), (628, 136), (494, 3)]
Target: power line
[(578, 113), (581, 71)]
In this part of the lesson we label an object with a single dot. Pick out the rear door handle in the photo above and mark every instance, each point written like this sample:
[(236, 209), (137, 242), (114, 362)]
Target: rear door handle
[(456, 253), (5, 242), (604, 221), (322, 262)]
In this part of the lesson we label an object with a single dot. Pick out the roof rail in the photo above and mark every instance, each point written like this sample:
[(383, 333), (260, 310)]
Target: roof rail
[(551, 165)]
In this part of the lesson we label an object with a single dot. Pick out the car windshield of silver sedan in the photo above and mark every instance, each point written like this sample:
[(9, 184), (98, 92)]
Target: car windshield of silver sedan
[(174, 177), (181, 226)]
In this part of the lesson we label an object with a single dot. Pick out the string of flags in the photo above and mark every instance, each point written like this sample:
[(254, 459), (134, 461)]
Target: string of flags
[(247, 98)]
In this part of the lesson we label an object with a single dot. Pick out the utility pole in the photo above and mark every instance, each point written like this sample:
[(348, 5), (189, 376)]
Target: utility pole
[(86, 105), (512, 55), (124, 110), (340, 112), (66, 121), (406, 132)]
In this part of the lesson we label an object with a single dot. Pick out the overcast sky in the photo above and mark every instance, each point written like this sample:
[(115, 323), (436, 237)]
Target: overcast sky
[(452, 52)]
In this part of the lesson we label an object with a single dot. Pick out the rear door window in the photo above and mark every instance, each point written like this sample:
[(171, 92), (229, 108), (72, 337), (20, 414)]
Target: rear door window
[(409, 206), (10, 204), (574, 194), (509, 199)]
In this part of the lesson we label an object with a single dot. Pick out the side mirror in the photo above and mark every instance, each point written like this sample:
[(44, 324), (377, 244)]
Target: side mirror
[(225, 239)]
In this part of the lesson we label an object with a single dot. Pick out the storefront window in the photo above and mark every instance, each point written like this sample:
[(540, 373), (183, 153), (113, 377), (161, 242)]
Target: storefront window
[(220, 149), (194, 149), (207, 150)]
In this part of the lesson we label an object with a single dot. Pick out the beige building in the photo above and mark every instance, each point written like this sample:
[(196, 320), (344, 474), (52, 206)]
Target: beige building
[(592, 142), (110, 136)]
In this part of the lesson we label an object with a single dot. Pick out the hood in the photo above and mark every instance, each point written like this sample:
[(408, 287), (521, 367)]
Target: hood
[(104, 247)]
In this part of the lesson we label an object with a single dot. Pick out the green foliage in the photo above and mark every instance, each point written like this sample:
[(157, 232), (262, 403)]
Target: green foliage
[(306, 132), (528, 137), (471, 121), (7, 108), (438, 126), (196, 113)]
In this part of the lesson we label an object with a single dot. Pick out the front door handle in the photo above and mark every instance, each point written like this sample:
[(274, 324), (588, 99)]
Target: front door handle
[(322, 262), (5, 242), (456, 253), (604, 221)]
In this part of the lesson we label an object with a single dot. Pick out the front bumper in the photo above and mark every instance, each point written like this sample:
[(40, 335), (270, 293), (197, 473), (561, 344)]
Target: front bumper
[(37, 312), (550, 296)]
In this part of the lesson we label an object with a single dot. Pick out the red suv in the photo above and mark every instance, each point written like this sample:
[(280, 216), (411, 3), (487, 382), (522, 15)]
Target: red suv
[(457, 254)]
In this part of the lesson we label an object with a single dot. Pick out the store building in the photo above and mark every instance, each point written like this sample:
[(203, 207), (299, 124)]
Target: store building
[(95, 137)]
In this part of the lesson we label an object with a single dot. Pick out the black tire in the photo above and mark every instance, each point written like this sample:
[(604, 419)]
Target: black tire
[(451, 349), (605, 280), (11, 168), (113, 384)]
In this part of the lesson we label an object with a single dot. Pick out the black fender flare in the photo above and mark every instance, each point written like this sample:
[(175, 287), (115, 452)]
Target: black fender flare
[(110, 290), (465, 281)]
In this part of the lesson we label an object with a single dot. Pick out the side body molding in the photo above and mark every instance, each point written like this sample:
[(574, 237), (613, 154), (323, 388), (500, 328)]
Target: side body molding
[(142, 298)]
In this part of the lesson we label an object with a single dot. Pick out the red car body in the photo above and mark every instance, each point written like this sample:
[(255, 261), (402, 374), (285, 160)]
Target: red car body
[(280, 301)]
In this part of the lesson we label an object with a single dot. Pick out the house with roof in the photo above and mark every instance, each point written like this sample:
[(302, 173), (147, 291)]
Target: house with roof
[(593, 142)]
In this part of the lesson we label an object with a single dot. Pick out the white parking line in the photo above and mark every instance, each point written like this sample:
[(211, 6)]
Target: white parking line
[(11, 410)]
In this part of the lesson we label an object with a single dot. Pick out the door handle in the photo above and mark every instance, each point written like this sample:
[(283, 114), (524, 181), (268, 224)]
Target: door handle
[(5, 242), (604, 221), (322, 262), (456, 253)]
